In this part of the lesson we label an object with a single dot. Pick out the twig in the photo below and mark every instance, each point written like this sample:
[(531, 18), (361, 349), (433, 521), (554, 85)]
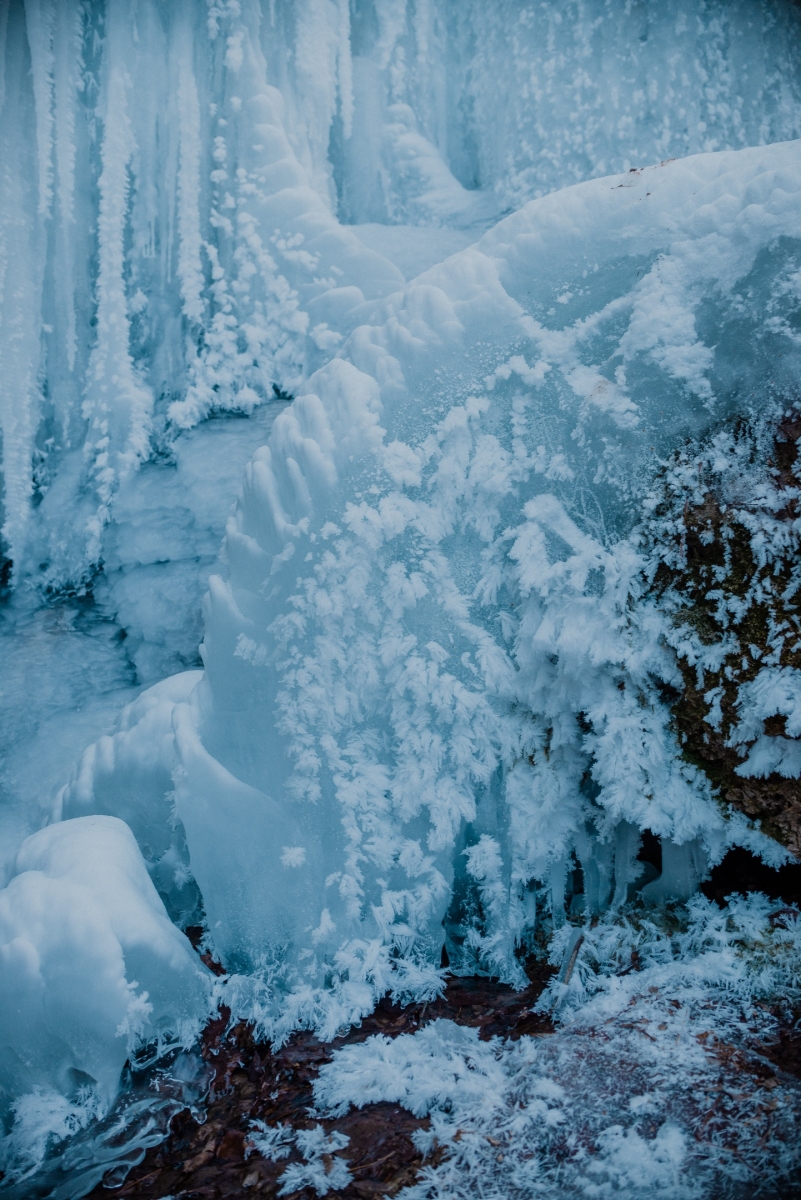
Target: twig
[(572, 960)]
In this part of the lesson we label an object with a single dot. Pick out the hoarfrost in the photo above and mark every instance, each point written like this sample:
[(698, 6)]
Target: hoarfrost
[(454, 596), (634, 1088)]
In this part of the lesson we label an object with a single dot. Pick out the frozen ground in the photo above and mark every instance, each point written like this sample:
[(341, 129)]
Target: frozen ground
[(384, 327)]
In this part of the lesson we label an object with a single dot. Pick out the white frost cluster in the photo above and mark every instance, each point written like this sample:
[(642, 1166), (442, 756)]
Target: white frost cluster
[(322, 1169)]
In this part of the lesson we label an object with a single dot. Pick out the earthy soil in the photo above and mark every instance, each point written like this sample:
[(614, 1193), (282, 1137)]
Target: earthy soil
[(213, 1159)]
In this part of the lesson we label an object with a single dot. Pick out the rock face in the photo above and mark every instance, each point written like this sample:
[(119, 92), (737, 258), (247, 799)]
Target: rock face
[(726, 537)]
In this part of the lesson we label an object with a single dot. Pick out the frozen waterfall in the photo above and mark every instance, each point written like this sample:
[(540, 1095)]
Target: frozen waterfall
[(407, 304), (183, 187)]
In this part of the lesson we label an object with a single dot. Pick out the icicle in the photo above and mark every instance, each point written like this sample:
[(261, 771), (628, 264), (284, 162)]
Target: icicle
[(21, 274), (597, 864), (190, 271), (422, 30), (391, 22), (345, 68), (39, 15), (627, 844), (683, 868), (4, 9), (529, 907), (117, 403), (316, 54), (65, 78), (66, 64), (556, 879)]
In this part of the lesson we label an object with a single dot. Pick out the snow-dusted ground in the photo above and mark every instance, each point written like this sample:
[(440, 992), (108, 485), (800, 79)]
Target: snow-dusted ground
[(647, 1083), (506, 259)]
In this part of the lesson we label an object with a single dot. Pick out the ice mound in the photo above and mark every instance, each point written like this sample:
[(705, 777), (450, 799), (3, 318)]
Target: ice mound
[(92, 967), (433, 674)]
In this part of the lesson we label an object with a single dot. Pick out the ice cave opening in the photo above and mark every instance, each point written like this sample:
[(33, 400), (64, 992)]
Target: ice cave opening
[(399, 562)]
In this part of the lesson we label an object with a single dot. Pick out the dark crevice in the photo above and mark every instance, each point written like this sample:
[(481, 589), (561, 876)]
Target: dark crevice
[(741, 871)]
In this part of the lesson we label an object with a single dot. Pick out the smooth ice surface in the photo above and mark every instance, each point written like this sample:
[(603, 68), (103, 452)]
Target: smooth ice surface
[(80, 907)]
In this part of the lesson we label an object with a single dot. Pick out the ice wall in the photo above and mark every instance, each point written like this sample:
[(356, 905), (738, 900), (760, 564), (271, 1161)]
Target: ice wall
[(432, 686), (432, 589), (173, 175)]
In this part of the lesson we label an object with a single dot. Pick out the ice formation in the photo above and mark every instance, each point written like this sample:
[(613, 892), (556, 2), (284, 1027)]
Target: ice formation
[(465, 277), (81, 907), (455, 645)]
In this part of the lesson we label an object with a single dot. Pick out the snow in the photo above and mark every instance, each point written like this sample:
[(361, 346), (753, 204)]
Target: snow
[(412, 308)]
